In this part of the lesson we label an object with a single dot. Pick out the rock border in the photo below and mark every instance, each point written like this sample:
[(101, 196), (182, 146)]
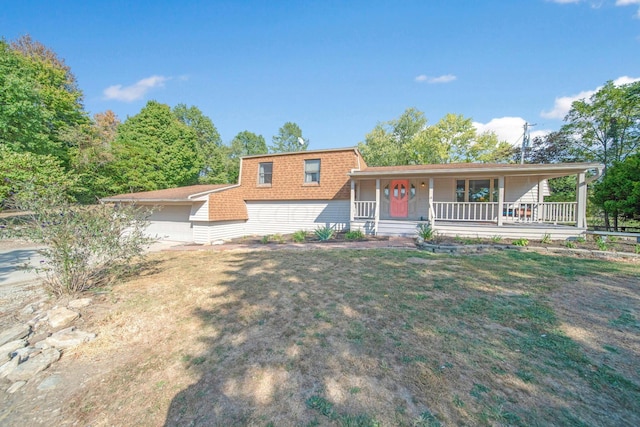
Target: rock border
[(465, 249)]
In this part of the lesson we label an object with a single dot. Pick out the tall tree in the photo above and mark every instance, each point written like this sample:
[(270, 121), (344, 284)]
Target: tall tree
[(397, 142), (619, 191), (408, 140), (90, 155), (154, 150), (606, 127), (210, 145), (244, 143), (39, 98), (289, 138)]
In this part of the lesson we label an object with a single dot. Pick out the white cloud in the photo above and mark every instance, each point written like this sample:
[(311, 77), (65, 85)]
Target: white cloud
[(446, 78), (136, 91), (562, 104), (508, 129)]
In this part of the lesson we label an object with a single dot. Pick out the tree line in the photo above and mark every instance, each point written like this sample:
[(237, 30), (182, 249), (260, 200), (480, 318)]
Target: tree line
[(47, 137)]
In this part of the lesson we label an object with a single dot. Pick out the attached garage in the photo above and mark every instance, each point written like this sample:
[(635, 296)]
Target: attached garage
[(171, 222)]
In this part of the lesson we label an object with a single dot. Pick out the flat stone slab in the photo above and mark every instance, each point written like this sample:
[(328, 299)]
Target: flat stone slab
[(14, 333), (50, 383), (68, 338), (79, 303), (61, 317), (8, 367), (10, 347), (16, 386), (38, 363)]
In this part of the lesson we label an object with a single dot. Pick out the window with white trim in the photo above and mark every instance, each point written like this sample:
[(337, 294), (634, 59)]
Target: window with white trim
[(265, 173), (312, 171), (477, 190)]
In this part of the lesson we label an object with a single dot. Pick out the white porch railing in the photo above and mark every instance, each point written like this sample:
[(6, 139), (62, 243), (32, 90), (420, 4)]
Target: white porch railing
[(364, 210), (553, 212), (465, 211)]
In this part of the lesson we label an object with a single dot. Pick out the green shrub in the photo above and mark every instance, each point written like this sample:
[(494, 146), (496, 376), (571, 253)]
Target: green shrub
[(278, 238), (602, 243), (324, 233), (521, 242), (85, 246), (354, 235), (265, 239), (425, 231), (299, 236), (546, 239), (569, 244), (581, 239), (496, 239), (637, 249)]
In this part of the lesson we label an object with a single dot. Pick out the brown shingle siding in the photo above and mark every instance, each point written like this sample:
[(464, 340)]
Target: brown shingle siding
[(287, 181)]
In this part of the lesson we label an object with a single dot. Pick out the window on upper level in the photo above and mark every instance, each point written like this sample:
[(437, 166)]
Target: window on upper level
[(312, 171), (265, 173)]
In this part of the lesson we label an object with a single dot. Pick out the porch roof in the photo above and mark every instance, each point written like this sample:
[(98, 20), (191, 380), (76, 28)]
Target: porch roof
[(477, 169)]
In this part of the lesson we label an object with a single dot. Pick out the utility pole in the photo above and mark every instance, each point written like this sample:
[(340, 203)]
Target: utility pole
[(525, 140)]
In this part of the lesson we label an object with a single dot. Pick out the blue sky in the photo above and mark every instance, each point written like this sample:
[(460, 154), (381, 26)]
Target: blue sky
[(337, 68)]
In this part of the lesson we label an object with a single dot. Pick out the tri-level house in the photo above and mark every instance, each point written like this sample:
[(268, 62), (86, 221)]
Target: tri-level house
[(283, 193)]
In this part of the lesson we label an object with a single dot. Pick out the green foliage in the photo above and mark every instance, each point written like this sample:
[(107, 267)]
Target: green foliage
[(39, 98), (244, 144), (601, 242), (408, 140), (209, 144), (154, 150), (425, 231), (265, 239), (85, 247), (496, 239), (354, 235), (546, 239), (18, 169), (570, 244), (299, 236), (619, 191), (287, 139), (520, 242), (324, 233)]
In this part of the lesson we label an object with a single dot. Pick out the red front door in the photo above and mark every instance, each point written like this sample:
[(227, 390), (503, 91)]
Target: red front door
[(399, 198)]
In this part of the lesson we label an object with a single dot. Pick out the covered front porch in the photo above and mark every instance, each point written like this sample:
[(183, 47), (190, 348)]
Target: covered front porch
[(474, 200)]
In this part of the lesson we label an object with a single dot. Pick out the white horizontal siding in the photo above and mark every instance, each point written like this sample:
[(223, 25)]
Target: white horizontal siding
[(270, 217), (207, 232), (522, 189), (200, 210)]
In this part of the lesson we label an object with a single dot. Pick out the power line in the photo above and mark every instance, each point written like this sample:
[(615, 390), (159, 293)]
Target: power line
[(525, 139)]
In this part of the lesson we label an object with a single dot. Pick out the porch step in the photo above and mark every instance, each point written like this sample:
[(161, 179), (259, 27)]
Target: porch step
[(398, 228)]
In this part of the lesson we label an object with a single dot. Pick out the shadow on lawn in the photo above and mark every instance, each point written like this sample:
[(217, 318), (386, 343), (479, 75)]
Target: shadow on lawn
[(359, 338)]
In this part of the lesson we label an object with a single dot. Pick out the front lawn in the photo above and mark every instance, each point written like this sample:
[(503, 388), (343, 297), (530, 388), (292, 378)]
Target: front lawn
[(366, 337)]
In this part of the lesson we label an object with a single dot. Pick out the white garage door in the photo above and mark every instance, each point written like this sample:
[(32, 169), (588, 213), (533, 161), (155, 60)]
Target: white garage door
[(171, 223)]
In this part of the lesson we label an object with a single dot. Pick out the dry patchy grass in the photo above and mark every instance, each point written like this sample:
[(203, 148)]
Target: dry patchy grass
[(375, 337)]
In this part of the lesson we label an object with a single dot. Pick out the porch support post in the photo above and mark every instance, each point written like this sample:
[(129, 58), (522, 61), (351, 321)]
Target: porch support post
[(377, 214), (581, 208), (500, 199), (353, 202), (431, 214), (540, 211)]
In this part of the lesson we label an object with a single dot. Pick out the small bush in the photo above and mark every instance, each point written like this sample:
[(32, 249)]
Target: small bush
[(581, 239), (278, 238), (637, 249), (425, 231), (546, 239), (520, 242), (354, 235), (85, 246), (324, 233), (265, 239), (602, 243), (496, 239), (569, 244), (299, 236)]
